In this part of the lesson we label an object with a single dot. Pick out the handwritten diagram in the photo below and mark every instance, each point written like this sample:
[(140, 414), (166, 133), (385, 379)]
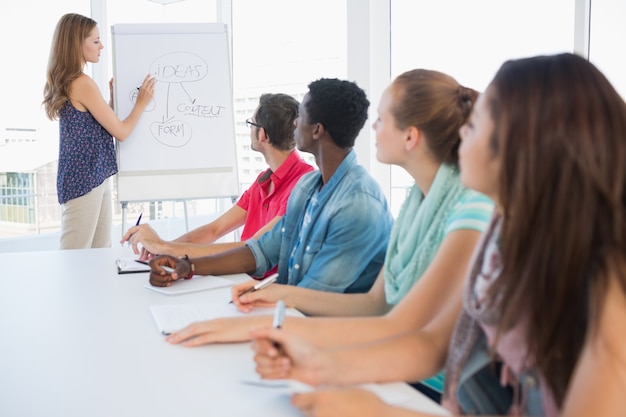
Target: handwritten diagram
[(176, 106)]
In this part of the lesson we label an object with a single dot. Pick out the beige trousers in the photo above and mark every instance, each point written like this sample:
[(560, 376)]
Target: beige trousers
[(86, 221)]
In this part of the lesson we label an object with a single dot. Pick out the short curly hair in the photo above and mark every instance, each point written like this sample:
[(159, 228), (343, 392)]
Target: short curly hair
[(341, 106)]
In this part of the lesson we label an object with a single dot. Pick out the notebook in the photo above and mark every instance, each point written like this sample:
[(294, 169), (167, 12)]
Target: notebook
[(197, 283), (130, 265)]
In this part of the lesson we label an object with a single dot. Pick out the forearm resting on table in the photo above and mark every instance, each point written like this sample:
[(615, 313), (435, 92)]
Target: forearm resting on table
[(331, 332), (197, 250), (237, 260), (408, 357), (321, 303), (202, 235)]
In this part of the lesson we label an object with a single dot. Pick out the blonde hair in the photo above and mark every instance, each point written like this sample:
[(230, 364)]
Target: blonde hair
[(438, 105), (66, 61)]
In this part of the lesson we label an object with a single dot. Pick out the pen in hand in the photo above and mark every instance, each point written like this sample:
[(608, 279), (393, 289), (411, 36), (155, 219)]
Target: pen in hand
[(279, 315), (267, 281), (166, 268), (279, 319), (136, 224)]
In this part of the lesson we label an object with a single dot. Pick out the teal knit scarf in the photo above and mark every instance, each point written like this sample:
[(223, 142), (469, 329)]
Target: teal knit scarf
[(418, 231)]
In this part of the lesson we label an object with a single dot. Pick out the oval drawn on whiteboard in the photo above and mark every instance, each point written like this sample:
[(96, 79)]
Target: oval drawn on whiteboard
[(178, 67), (175, 133)]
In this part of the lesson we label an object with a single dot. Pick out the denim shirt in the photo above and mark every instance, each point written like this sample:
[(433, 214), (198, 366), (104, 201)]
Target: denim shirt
[(343, 249)]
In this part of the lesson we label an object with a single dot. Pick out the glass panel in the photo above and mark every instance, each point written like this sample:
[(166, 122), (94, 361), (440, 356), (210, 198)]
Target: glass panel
[(30, 24), (469, 40), (17, 204), (153, 11), (607, 34), (276, 50), (29, 140)]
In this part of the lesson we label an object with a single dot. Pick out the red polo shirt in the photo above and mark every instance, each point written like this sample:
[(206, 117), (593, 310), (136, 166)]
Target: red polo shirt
[(262, 206)]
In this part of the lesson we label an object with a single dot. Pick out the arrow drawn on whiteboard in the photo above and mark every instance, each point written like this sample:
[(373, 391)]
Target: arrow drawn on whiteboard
[(187, 93), (167, 101)]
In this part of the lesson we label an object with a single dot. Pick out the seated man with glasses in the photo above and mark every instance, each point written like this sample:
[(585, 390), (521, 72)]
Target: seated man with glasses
[(261, 206), (335, 232)]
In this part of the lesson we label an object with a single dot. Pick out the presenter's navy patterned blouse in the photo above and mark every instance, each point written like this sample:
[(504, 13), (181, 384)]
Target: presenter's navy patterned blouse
[(86, 154)]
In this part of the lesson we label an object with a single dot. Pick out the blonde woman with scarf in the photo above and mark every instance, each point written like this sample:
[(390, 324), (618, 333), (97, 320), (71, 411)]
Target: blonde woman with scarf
[(431, 242)]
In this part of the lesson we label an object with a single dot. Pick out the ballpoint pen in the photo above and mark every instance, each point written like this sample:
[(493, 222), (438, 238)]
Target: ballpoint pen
[(166, 268), (279, 319), (267, 281), (136, 224), (279, 315)]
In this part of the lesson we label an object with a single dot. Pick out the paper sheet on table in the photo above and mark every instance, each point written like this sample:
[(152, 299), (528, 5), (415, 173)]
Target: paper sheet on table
[(172, 317), (385, 391), (197, 283)]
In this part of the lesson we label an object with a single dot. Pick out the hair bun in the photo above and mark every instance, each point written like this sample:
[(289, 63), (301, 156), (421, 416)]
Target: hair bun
[(466, 99)]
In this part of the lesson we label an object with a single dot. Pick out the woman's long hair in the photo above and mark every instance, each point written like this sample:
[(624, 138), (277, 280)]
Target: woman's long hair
[(66, 61), (561, 135)]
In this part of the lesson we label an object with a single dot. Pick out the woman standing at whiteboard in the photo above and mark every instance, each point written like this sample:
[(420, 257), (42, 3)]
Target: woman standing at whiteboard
[(87, 126)]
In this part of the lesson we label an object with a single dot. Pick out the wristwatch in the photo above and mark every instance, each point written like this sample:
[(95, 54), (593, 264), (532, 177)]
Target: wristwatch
[(192, 267)]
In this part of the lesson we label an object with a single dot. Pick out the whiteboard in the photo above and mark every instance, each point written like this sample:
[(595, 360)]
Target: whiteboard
[(184, 144)]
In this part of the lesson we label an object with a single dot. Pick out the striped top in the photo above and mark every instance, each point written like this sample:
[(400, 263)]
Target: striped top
[(473, 211)]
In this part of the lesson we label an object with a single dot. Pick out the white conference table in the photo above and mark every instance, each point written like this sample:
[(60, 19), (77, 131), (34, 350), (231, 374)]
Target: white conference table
[(77, 339)]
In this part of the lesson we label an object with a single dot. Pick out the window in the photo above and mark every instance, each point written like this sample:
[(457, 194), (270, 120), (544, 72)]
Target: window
[(470, 40), (17, 198), (29, 142), (606, 33), (278, 47)]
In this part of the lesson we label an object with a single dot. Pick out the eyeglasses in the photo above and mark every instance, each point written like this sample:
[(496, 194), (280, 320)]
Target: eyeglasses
[(250, 123)]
